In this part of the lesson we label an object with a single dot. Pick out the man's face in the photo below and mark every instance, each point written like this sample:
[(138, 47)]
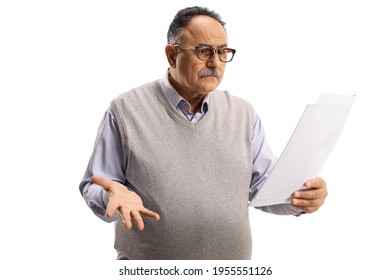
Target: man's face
[(200, 31)]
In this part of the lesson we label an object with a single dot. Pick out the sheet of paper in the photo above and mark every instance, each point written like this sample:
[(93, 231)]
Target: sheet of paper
[(307, 150)]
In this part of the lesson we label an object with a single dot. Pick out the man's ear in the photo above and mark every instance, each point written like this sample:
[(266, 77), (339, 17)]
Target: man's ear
[(171, 53)]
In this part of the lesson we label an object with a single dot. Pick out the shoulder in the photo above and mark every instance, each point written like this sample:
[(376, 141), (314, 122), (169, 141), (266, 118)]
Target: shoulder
[(137, 97), (139, 92)]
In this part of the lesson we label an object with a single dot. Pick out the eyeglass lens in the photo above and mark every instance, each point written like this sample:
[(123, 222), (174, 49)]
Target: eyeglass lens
[(207, 53)]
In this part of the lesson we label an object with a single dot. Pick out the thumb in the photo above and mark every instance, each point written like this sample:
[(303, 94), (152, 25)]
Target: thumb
[(101, 181)]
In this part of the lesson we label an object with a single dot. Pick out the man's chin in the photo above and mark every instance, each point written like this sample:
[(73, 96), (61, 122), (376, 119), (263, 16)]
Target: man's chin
[(209, 83)]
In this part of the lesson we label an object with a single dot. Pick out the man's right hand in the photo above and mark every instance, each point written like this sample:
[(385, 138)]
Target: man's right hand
[(128, 203)]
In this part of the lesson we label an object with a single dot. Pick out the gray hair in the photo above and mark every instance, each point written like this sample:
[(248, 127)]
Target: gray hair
[(182, 18)]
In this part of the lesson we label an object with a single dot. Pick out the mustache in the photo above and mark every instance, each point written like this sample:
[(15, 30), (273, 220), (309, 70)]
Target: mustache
[(209, 73)]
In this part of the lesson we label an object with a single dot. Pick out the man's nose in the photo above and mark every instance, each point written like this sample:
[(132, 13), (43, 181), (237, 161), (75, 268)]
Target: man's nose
[(214, 62)]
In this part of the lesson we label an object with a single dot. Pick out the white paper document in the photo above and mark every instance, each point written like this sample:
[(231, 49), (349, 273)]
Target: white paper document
[(307, 150)]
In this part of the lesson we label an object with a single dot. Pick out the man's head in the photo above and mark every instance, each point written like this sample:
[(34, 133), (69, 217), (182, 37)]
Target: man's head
[(182, 18), (192, 70)]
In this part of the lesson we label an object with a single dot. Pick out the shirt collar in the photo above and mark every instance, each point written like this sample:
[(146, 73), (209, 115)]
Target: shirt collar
[(175, 98)]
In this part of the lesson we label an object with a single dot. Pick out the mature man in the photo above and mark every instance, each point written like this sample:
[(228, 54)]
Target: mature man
[(195, 155)]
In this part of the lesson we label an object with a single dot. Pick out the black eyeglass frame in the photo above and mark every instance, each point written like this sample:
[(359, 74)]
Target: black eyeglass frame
[(219, 51)]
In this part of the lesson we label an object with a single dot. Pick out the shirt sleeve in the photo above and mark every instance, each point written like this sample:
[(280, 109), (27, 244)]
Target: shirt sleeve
[(263, 163), (109, 160)]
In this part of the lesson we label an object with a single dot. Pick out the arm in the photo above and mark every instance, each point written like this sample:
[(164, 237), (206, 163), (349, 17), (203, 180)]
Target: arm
[(304, 201), (106, 196), (109, 160), (263, 163)]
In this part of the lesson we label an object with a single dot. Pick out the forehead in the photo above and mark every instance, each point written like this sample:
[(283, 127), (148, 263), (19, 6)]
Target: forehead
[(204, 30)]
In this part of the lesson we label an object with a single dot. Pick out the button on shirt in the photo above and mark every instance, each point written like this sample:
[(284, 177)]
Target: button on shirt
[(109, 159)]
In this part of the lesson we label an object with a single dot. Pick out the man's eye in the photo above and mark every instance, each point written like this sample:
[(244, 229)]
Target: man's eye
[(205, 50)]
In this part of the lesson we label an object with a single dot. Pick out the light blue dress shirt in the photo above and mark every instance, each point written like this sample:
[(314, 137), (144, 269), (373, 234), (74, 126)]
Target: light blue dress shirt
[(109, 159)]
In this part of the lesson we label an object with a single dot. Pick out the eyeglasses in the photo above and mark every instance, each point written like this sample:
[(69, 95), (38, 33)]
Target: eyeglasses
[(206, 53)]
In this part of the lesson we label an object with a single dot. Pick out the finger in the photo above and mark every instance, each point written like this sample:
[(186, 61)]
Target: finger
[(111, 208), (315, 183), (150, 214), (126, 220), (316, 189), (101, 181), (136, 217), (306, 202), (309, 194)]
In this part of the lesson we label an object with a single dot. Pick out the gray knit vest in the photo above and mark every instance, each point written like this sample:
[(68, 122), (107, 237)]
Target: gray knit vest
[(195, 175)]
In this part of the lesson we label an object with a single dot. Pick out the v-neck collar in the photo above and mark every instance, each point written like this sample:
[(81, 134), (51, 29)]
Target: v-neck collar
[(176, 115)]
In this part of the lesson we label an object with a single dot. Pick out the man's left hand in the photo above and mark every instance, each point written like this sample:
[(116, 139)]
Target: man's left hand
[(311, 198)]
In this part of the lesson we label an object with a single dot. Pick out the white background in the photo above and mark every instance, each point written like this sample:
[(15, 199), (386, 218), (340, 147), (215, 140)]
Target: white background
[(61, 63)]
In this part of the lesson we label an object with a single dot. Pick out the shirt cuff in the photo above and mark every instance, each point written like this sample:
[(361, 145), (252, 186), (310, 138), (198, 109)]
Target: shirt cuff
[(296, 212)]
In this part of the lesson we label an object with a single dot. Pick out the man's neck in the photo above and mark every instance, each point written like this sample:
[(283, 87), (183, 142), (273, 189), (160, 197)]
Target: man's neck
[(194, 99)]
